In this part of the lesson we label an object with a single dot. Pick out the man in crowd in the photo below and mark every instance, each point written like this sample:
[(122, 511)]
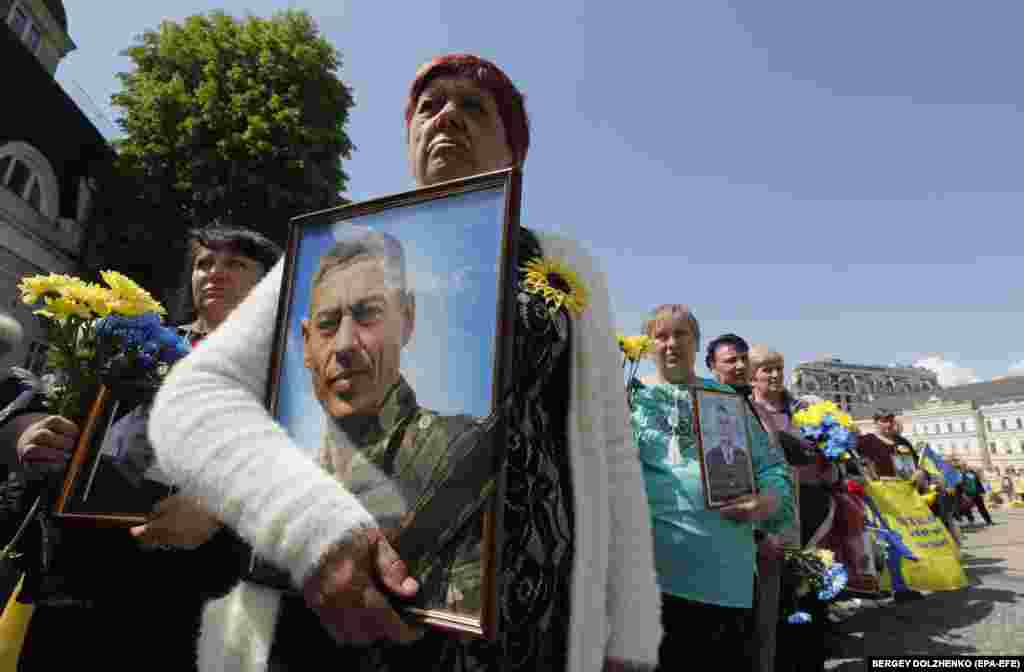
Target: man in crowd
[(972, 489), (378, 440)]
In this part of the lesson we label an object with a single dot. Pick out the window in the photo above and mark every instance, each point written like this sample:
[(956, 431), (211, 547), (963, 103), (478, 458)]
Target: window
[(19, 178), (949, 427), (18, 20), (34, 195), (1020, 423), (33, 38), (963, 426), (26, 171), (22, 25), (937, 430), (1002, 423)]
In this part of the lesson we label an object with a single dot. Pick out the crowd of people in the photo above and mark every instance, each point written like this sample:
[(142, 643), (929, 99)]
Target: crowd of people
[(611, 557)]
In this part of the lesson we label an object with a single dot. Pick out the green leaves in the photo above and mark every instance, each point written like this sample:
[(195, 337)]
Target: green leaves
[(217, 108)]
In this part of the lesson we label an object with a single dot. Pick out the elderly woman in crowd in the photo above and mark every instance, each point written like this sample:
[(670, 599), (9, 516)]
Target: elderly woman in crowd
[(113, 587), (801, 646), (578, 590), (704, 557)]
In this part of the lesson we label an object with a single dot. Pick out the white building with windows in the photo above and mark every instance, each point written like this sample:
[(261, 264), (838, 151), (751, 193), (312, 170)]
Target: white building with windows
[(1004, 426), (951, 428), (49, 155)]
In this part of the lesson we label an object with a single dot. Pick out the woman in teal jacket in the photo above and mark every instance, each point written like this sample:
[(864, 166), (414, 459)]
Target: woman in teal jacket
[(705, 558)]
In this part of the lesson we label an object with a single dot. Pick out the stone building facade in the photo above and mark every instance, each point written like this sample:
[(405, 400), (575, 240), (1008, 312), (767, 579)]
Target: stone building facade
[(856, 387), (50, 154)]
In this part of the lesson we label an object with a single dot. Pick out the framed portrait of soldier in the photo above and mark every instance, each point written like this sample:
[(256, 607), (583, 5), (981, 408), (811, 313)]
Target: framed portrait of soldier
[(112, 479), (392, 347), (903, 462), (724, 446)]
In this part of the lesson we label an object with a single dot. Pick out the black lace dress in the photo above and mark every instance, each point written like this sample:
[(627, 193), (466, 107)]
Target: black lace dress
[(537, 552)]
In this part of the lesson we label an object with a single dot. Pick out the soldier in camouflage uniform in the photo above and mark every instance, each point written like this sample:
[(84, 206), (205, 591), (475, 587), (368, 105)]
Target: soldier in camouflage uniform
[(396, 456)]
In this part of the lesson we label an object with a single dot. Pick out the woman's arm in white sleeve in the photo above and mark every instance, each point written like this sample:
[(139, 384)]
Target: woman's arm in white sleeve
[(634, 600), (214, 436)]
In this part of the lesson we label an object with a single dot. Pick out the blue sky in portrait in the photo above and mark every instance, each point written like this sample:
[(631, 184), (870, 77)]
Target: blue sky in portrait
[(837, 179), (452, 249)]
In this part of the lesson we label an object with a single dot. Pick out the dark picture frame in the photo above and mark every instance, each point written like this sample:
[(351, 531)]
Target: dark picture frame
[(111, 480), (458, 261), (724, 445)]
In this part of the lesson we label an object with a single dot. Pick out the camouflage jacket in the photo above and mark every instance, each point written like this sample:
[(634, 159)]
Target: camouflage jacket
[(425, 478)]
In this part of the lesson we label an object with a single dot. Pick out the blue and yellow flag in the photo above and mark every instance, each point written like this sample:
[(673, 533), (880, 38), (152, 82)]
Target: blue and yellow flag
[(935, 465), (922, 554)]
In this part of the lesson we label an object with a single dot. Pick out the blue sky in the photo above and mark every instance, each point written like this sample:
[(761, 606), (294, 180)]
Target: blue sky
[(828, 178)]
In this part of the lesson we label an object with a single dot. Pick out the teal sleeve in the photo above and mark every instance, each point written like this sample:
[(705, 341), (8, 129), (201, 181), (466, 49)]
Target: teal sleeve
[(772, 473)]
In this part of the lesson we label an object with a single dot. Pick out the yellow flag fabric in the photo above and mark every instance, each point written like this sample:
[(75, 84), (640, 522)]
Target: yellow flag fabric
[(13, 628), (905, 512)]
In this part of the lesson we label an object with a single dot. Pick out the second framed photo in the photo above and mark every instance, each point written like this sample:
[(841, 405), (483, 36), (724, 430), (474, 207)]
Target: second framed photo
[(392, 346), (724, 446)]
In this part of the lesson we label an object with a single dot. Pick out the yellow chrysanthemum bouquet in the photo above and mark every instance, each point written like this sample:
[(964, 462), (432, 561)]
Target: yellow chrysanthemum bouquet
[(99, 334)]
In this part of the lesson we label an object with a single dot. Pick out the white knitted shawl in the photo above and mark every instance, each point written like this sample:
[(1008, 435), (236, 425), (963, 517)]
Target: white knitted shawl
[(213, 435)]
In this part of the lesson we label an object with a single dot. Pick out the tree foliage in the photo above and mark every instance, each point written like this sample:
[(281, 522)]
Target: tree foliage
[(235, 120)]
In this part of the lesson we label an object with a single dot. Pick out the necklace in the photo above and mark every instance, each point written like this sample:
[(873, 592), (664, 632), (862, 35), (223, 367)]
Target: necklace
[(677, 426)]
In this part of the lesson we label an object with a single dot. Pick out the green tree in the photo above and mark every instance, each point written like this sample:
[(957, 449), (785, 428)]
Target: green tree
[(239, 121)]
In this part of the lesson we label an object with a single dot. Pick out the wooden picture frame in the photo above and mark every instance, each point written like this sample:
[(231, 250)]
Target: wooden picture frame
[(430, 274), (724, 445)]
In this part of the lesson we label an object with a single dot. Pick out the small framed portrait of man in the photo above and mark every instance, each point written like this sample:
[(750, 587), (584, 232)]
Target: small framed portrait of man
[(392, 349), (113, 480), (723, 440)]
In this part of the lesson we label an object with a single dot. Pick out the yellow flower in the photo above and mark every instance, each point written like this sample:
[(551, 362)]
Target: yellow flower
[(35, 287), (127, 297), (825, 555), (97, 298), (94, 297), (557, 284), (61, 308), (815, 414), (812, 415), (634, 347)]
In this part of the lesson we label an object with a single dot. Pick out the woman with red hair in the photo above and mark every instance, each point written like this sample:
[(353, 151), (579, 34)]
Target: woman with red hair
[(578, 588)]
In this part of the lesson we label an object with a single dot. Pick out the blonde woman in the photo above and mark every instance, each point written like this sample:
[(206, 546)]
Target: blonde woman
[(705, 558)]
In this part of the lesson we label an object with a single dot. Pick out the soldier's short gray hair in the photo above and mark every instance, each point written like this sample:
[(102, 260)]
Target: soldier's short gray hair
[(354, 242)]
